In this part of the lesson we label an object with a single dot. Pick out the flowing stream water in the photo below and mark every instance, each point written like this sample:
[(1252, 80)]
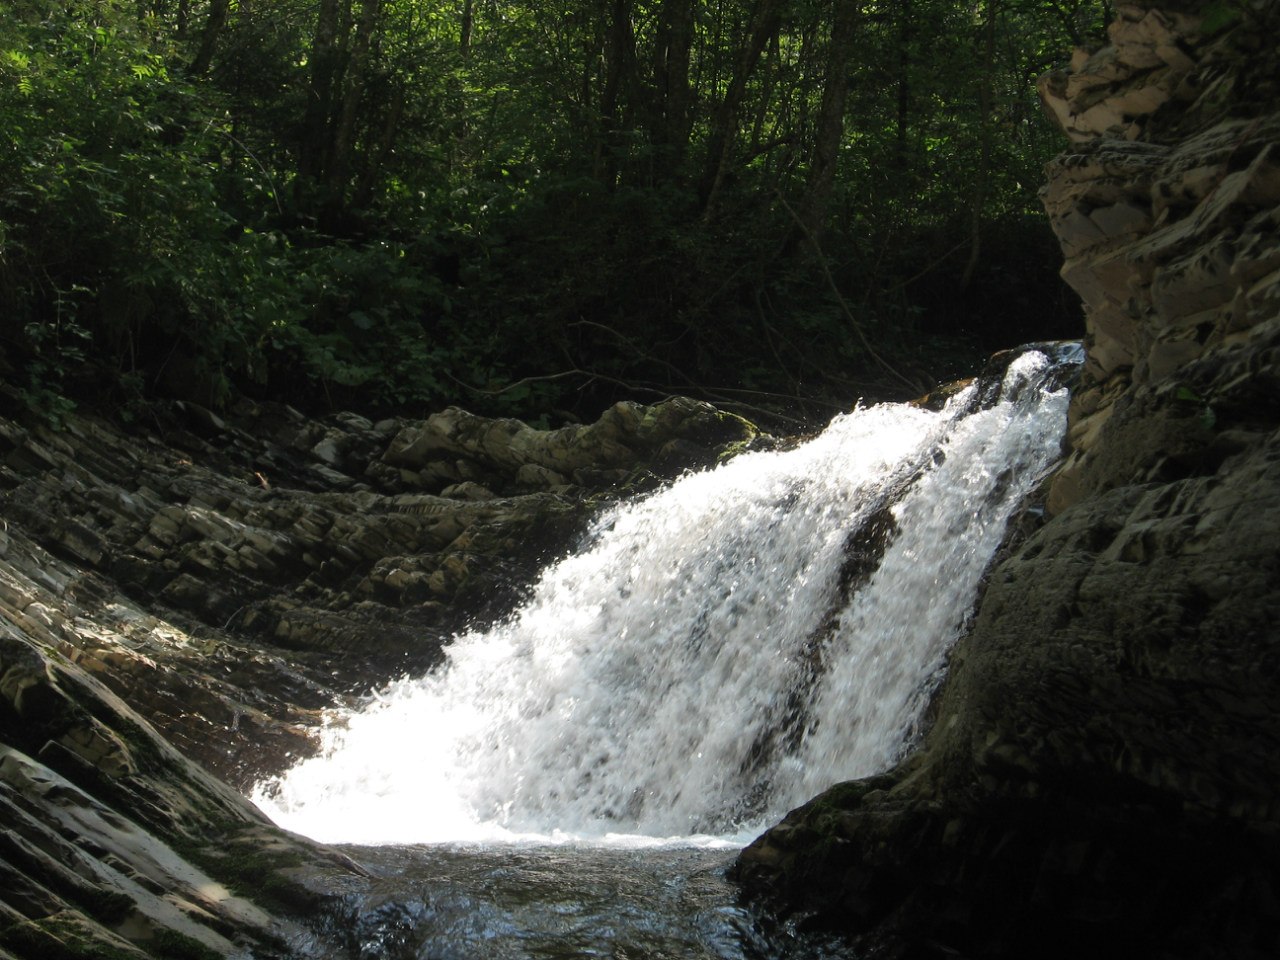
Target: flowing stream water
[(572, 781)]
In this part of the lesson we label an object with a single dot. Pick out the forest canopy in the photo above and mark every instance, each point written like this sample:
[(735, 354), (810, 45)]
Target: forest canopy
[(523, 205)]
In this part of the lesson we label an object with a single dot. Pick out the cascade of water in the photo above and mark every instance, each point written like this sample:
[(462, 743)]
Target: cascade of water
[(705, 663)]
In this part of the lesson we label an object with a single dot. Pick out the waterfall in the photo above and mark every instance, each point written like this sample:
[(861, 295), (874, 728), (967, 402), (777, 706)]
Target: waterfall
[(718, 652)]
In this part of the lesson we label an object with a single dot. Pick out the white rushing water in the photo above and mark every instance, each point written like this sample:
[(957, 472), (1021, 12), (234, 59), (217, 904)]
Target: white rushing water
[(698, 669)]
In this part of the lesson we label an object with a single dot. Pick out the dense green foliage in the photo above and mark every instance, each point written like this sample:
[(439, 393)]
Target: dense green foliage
[(519, 205)]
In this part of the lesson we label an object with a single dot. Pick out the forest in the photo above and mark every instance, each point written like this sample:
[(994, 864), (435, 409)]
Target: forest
[(526, 207)]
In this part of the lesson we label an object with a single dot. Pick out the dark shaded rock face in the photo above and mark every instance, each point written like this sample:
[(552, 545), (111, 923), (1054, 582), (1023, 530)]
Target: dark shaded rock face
[(177, 602), (1103, 774)]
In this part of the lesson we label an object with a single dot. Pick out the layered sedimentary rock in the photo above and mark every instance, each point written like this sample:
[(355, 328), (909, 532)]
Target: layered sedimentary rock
[(1166, 207), (180, 599), (1101, 776)]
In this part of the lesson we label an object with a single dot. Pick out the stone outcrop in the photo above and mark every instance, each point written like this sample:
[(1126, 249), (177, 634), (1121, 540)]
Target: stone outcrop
[(179, 600), (1101, 774), (1166, 207), (113, 844)]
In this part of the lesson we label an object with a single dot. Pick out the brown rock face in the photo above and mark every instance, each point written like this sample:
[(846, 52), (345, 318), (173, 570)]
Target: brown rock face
[(1102, 776), (1167, 204)]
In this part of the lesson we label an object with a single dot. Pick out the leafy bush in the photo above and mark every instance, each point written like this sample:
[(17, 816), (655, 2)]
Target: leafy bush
[(517, 206), (116, 251)]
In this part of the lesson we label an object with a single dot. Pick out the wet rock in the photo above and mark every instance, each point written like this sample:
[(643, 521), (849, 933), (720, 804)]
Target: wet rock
[(107, 829), (1100, 776), (666, 438), (183, 603)]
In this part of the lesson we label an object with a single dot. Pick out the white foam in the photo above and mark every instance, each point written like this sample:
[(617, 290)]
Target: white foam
[(637, 698)]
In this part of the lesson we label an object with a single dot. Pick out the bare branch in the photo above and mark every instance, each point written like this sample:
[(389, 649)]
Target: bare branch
[(826, 272)]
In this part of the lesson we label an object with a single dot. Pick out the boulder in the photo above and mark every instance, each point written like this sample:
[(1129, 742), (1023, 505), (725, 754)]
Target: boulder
[(665, 438)]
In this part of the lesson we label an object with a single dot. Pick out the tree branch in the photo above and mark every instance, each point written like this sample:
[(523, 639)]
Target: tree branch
[(844, 305)]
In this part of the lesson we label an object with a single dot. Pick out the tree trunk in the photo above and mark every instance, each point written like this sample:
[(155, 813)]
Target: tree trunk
[(319, 108), (675, 42), (983, 173), (339, 166), (830, 124), (619, 62), (764, 24), (213, 25)]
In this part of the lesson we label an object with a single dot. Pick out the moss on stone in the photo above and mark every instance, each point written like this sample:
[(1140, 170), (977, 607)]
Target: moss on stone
[(847, 795), (735, 448), (172, 945), (255, 874), (108, 907), (58, 936)]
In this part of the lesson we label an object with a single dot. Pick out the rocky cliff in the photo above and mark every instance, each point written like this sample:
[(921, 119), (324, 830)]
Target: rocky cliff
[(178, 600), (1101, 775)]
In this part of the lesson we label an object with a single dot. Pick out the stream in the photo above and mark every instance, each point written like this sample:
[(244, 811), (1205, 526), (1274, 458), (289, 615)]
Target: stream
[(574, 781), (549, 902)]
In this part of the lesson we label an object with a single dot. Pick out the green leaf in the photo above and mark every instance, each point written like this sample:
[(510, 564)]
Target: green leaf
[(1218, 17)]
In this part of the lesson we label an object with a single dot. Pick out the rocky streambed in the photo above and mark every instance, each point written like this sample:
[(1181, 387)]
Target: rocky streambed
[(178, 600)]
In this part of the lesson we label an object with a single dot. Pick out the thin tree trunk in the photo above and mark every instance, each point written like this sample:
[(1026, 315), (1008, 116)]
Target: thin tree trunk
[(904, 80), (764, 24), (830, 126), (595, 84), (213, 25), (464, 32), (766, 94), (591, 54), (983, 173), (377, 157)]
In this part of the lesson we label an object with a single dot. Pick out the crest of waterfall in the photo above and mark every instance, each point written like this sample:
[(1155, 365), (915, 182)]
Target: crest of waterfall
[(717, 653)]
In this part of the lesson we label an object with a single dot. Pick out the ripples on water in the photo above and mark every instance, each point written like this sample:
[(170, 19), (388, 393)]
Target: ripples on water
[(555, 903)]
